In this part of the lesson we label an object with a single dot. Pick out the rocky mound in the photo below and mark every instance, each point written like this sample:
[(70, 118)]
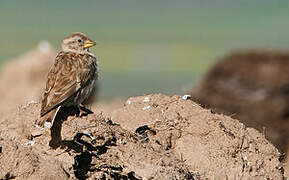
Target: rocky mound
[(152, 137), (253, 87)]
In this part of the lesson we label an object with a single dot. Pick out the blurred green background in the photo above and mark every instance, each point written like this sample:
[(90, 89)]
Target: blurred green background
[(147, 46)]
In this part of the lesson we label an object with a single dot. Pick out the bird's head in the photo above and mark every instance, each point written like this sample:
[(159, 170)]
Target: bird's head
[(78, 42)]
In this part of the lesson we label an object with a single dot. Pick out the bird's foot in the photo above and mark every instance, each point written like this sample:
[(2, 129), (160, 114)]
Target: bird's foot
[(83, 111)]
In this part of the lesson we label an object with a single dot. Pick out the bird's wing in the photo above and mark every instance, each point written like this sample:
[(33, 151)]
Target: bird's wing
[(67, 76)]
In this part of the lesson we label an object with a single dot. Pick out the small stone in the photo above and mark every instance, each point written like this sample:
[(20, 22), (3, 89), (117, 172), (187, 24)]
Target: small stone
[(186, 97), (128, 102), (146, 107), (29, 143), (47, 125), (29, 103), (146, 99)]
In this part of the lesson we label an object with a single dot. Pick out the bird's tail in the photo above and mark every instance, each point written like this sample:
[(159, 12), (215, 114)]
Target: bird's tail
[(49, 117)]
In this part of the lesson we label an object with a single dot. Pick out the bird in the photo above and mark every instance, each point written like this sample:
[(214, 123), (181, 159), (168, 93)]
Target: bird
[(71, 79)]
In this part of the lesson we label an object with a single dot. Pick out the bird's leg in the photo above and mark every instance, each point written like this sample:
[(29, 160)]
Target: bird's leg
[(83, 111)]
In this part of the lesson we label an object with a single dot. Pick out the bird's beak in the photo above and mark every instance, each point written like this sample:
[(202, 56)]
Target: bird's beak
[(89, 44)]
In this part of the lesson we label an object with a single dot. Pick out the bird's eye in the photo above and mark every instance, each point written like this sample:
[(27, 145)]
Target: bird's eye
[(79, 40)]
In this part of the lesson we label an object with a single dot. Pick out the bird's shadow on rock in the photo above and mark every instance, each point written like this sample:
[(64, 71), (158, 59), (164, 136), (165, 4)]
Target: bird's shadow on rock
[(62, 115), (86, 150)]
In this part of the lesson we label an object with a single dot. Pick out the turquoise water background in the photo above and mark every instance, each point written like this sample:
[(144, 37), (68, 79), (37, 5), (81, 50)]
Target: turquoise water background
[(147, 46)]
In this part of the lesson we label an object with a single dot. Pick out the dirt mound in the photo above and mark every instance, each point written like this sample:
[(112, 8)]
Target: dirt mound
[(22, 79), (253, 87), (152, 137)]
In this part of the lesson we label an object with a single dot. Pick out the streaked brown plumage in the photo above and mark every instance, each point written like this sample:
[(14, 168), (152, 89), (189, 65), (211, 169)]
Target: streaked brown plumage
[(71, 78)]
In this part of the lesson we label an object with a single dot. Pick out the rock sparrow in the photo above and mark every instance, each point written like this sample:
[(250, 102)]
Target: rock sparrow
[(71, 78)]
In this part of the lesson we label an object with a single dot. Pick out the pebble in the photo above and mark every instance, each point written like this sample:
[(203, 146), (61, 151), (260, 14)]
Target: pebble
[(128, 102), (47, 125), (29, 143), (29, 103), (146, 99), (146, 107), (186, 97)]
